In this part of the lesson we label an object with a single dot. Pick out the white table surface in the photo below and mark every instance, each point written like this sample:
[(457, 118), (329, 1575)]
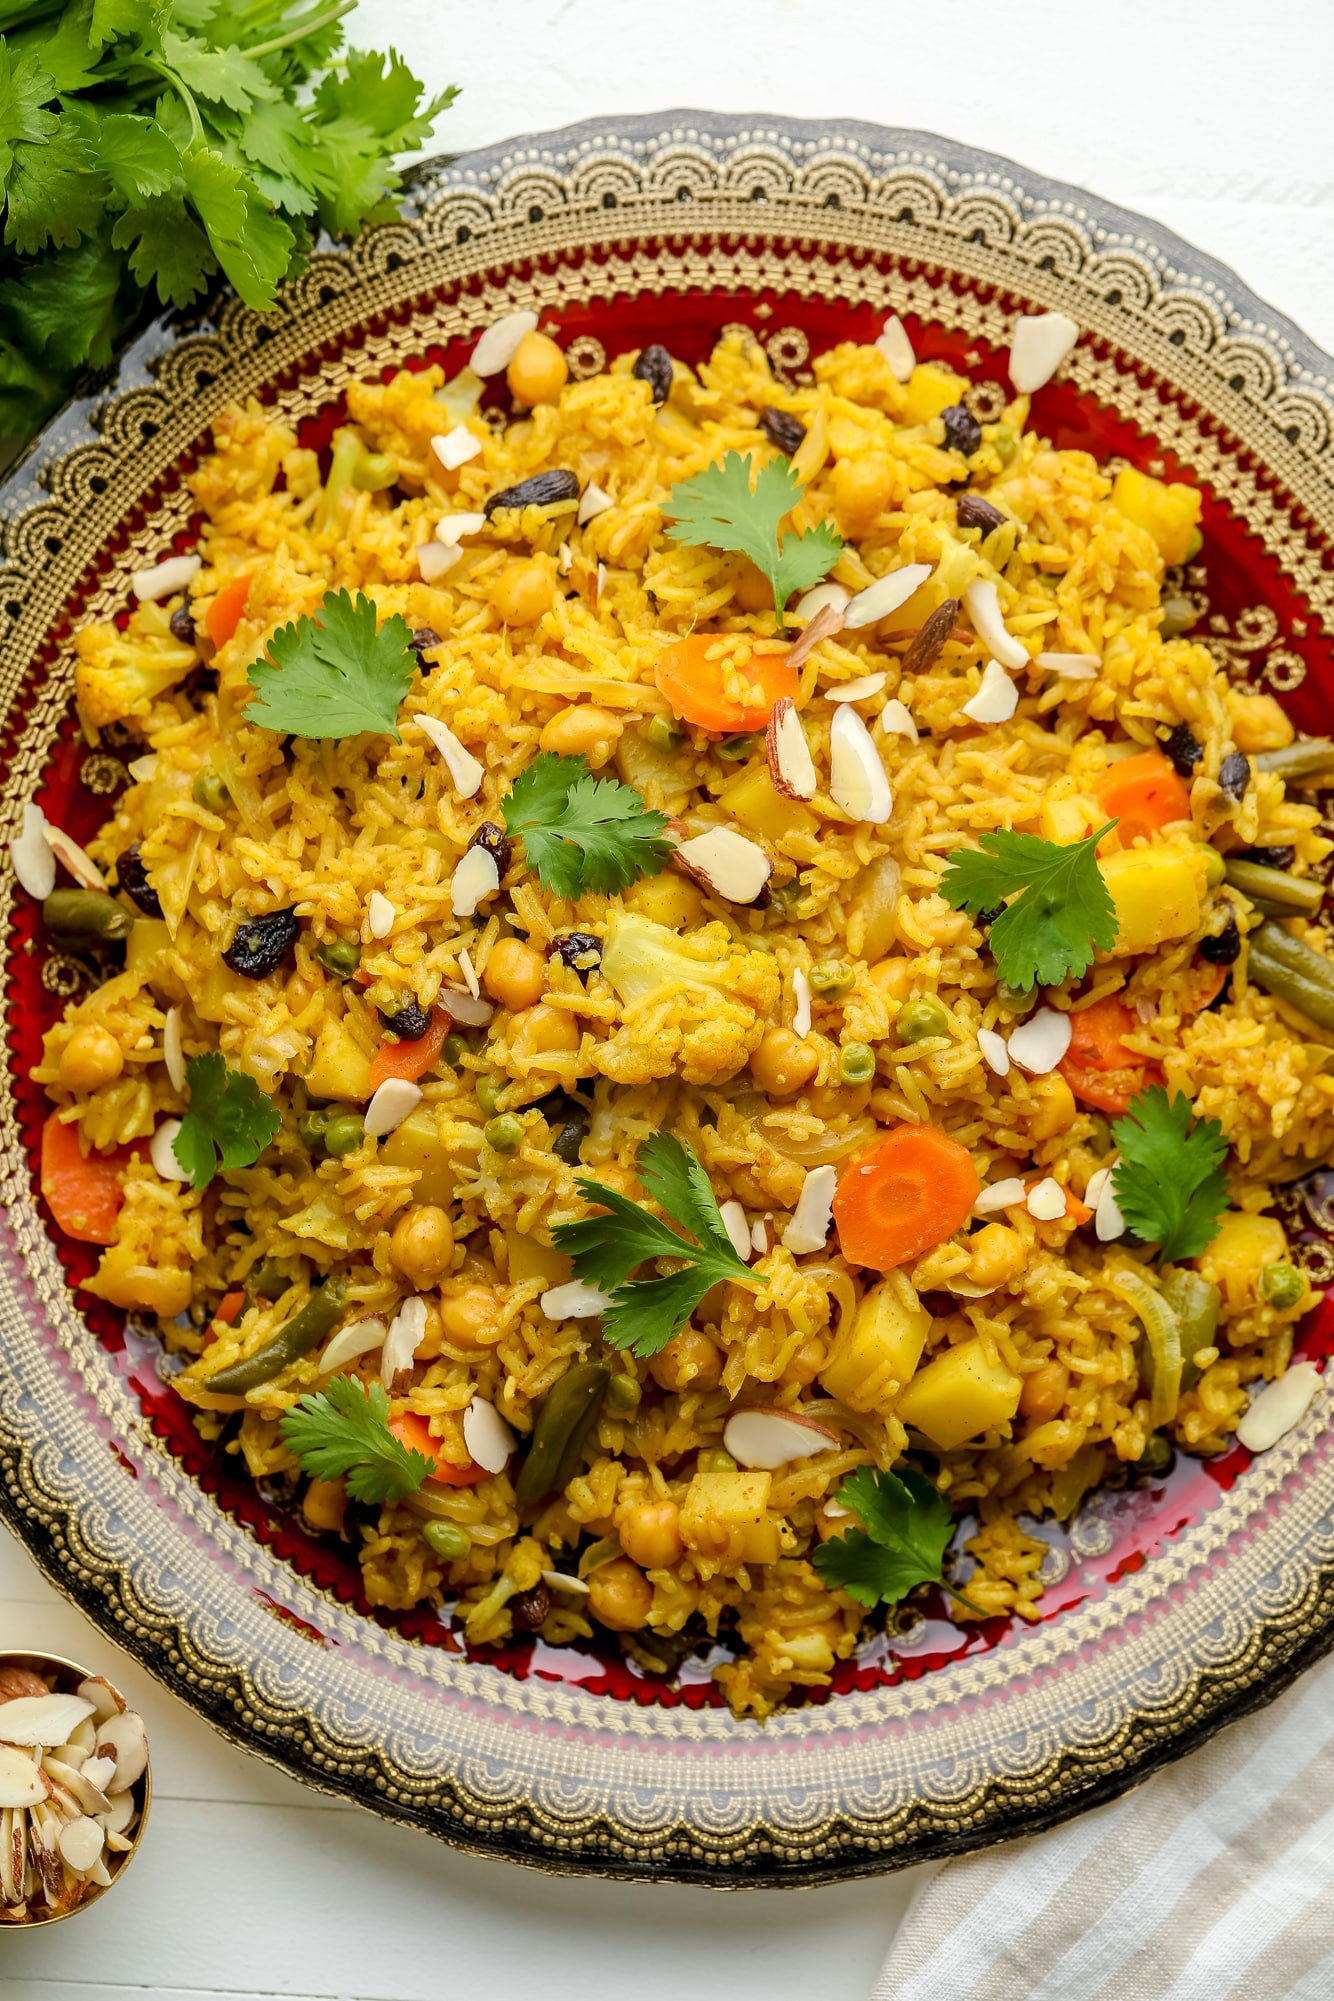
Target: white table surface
[(1212, 119)]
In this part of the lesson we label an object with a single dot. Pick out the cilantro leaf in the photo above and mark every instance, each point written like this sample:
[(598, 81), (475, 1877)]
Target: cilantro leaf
[(66, 305), (720, 508), (342, 1431), (221, 76), (1062, 908), (334, 675), (583, 833), (229, 1123), (644, 1313), (906, 1527), (168, 250), (136, 156), (1169, 1181), (48, 175)]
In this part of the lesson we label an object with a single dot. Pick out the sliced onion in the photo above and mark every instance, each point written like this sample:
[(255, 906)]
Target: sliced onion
[(1163, 1334)]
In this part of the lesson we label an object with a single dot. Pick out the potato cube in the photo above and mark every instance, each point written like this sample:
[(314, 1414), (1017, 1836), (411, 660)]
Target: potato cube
[(1157, 895), (1170, 512), (959, 1394), (930, 389), (720, 1504), (1239, 1253), (340, 1068), (878, 1347), (417, 1143), (752, 800)]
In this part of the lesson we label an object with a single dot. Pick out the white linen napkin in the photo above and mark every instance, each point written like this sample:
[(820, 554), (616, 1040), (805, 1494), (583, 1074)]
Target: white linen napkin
[(1214, 1881)]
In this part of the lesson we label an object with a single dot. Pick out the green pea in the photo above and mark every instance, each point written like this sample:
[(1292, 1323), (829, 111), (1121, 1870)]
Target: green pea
[(734, 749), (344, 1134), (489, 1087), (340, 956), (310, 1130), (624, 1393), (210, 791), (452, 1050), (660, 733), (1215, 867), (856, 1063), (1004, 441), (1015, 1000), (1281, 1284), (446, 1540), (920, 1020), (831, 977), (503, 1134), (1157, 1455), (86, 917)]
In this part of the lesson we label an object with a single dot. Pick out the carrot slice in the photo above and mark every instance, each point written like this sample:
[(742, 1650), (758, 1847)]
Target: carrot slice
[(1097, 1066), (224, 614), (913, 1189), (83, 1191), (411, 1060), (414, 1432), (230, 1306), (704, 685), (1143, 794)]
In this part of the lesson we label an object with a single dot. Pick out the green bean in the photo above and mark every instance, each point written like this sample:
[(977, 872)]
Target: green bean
[(1310, 757), (446, 1540), (1281, 1284), (922, 1020), (856, 1063), (341, 956), (303, 1332), (210, 791), (504, 1133), (1292, 971), (266, 1281), (563, 1423), (1275, 889), (1196, 1303), (86, 917)]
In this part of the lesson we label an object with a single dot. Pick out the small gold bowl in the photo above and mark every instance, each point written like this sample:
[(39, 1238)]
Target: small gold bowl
[(66, 1676)]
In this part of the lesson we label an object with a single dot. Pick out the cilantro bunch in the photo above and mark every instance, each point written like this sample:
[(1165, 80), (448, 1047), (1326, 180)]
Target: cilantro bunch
[(147, 146)]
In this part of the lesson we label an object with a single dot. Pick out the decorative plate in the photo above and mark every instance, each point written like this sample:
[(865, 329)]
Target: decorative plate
[(1172, 1608)]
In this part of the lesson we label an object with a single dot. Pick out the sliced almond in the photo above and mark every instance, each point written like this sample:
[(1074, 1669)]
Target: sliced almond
[(814, 1212), (487, 1436), (173, 1052), (791, 767), (381, 915), (725, 862), (817, 598), (469, 972), (456, 447), (1279, 1407), (465, 771), (1000, 1195), (80, 1843), (21, 1781), (13, 1854), (1039, 344), (564, 1580), (894, 344), (390, 1105), (162, 1152), (32, 856), (823, 624), (100, 1772), (104, 1700), (21, 1681), (762, 1236), (592, 502), (983, 602), (497, 347), (801, 1002), (565, 559), (401, 1342), (1072, 666), (350, 1343), (475, 879), (885, 595), (80, 865), (1046, 1202), (124, 1739), (451, 529), (771, 1438), (896, 720), (435, 559), (121, 1816), (995, 1053), (857, 778), (163, 580), (80, 1788), (1108, 1222), (996, 699), (1039, 1043), (575, 1300), (860, 690), (469, 1010), (738, 1229)]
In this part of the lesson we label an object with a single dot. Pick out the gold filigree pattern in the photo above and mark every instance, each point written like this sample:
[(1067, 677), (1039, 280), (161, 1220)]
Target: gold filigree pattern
[(1060, 1715)]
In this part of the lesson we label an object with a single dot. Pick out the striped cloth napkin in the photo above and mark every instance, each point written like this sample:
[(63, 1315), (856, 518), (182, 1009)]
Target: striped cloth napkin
[(1212, 1882)]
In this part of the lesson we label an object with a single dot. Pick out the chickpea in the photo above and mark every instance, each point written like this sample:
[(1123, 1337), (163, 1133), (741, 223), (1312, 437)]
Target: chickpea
[(90, 1058), (1258, 723), (998, 1255), (808, 1361), (583, 730), (651, 1534), (543, 1031), (862, 487), (782, 1063), (620, 1595), (422, 1244), (1052, 1110), (469, 1316), (1044, 1392), (751, 588), (323, 1506), (515, 975), (525, 590), (690, 1361), (892, 978), (538, 370)]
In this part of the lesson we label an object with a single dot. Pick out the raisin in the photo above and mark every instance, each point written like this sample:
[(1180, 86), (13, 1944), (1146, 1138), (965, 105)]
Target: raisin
[(410, 1022), (654, 366), (926, 643), (1184, 750), (181, 625), (579, 950), (422, 641), (1268, 857), (963, 433), (132, 879), (260, 944), (783, 430), (1234, 774), (496, 842), (971, 511), (529, 1608), (1222, 948), (544, 489)]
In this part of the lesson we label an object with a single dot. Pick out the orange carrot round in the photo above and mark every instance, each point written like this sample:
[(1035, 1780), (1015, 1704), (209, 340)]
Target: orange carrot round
[(705, 686), (224, 614), (1143, 794), (1097, 1066), (913, 1189), (414, 1432), (83, 1191), (411, 1060)]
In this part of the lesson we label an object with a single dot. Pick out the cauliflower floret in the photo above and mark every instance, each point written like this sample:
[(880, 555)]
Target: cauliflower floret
[(693, 1006), (119, 672)]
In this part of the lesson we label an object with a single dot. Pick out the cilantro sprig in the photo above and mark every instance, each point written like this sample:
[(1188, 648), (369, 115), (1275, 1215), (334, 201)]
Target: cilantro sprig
[(721, 509), (901, 1543), (1061, 910), (148, 145), (229, 1123), (342, 1432), (644, 1313), (1169, 1182), (580, 832), (334, 675)]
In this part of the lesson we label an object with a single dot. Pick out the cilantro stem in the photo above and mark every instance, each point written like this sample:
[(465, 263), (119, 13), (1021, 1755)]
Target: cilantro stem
[(308, 25), (183, 91), (950, 1592)]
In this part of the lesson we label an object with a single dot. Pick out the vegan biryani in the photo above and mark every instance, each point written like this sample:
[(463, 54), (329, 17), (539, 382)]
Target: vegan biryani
[(702, 995)]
